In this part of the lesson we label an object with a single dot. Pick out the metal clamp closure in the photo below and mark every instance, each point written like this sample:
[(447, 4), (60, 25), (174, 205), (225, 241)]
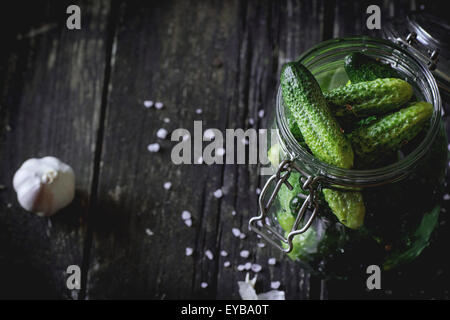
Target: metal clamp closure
[(263, 227)]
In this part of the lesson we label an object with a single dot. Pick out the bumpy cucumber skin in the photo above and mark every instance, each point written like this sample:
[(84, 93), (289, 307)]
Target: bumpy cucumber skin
[(322, 133), (360, 68), (369, 98), (348, 206), (387, 135)]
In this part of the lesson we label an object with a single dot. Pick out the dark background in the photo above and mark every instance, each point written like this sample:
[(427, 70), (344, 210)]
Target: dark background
[(78, 95)]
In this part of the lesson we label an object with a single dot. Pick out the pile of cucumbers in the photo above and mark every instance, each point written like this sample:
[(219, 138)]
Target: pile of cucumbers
[(361, 125)]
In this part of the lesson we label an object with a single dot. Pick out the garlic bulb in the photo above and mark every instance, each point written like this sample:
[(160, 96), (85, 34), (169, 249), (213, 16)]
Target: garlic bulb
[(44, 185)]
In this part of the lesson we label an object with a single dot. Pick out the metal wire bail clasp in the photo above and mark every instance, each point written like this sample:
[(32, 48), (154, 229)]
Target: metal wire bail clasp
[(268, 232)]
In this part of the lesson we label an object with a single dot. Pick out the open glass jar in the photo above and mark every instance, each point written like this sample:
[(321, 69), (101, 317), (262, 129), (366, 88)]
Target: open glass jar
[(401, 199)]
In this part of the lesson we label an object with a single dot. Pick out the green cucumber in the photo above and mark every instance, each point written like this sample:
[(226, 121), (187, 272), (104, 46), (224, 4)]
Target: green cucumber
[(380, 139), (360, 68), (348, 206), (358, 100), (320, 130), (322, 133)]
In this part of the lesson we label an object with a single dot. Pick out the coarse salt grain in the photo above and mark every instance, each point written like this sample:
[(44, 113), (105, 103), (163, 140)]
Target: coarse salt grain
[(209, 254), (261, 113), (446, 196), (162, 133), (236, 232), (261, 244), (258, 190), (218, 193), (244, 141), (226, 264), (233, 213), (272, 261), (189, 251), (248, 266), (256, 267), (185, 215), (166, 120), (241, 267), (188, 222), (198, 111), (220, 152), (149, 232), (167, 185), (223, 253), (209, 134), (159, 105), (148, 103), (242, 236), (153, 147), (275, 284), (200, 160), (251, 121), (204, 285), (244, 253)]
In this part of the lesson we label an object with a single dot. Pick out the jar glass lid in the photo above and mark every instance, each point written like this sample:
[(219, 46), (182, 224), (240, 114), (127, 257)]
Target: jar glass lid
[(428, 37)]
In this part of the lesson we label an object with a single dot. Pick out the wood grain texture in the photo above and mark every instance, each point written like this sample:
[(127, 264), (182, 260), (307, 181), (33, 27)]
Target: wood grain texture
[(79, 96), (223, 58), (51, 85)]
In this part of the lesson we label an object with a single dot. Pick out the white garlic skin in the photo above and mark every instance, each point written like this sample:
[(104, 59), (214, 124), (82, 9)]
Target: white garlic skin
[(44, 185)]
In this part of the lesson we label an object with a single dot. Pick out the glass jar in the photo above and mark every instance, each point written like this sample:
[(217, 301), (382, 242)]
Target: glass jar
[(402, 199)]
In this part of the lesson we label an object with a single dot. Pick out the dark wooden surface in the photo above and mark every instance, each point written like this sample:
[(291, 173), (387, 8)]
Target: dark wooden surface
[(79, 95)]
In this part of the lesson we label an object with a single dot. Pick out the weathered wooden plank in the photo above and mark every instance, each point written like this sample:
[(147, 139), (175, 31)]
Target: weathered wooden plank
[(223, 58), (51, 86)]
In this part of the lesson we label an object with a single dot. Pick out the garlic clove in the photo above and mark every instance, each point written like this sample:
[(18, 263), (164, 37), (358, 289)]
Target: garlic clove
[(44, 185)]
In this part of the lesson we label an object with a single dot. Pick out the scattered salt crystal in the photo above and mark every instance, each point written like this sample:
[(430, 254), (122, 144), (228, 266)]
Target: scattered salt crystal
[(275, 284), (189, 251), (233, 213), (148, 103), (258, 190), (159, 105), (261, 113), (200, 160), (185, 215), (220, 152), (167, 185), (218, 193), (256, 268), (236, 232), (209, 134), (204, 285), (149, 232), (154, 147), (162, 133), (261, 244), (209, 254), (251, 121), (259, 223), (198, 111), (226, 264), (223, 253), (187, 136), (272, 261), (241, 267), (244, 253), (248, 266), (448, 147), (447, 196), (188, 222), (242, 236), (166, 120), (244, 141)]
